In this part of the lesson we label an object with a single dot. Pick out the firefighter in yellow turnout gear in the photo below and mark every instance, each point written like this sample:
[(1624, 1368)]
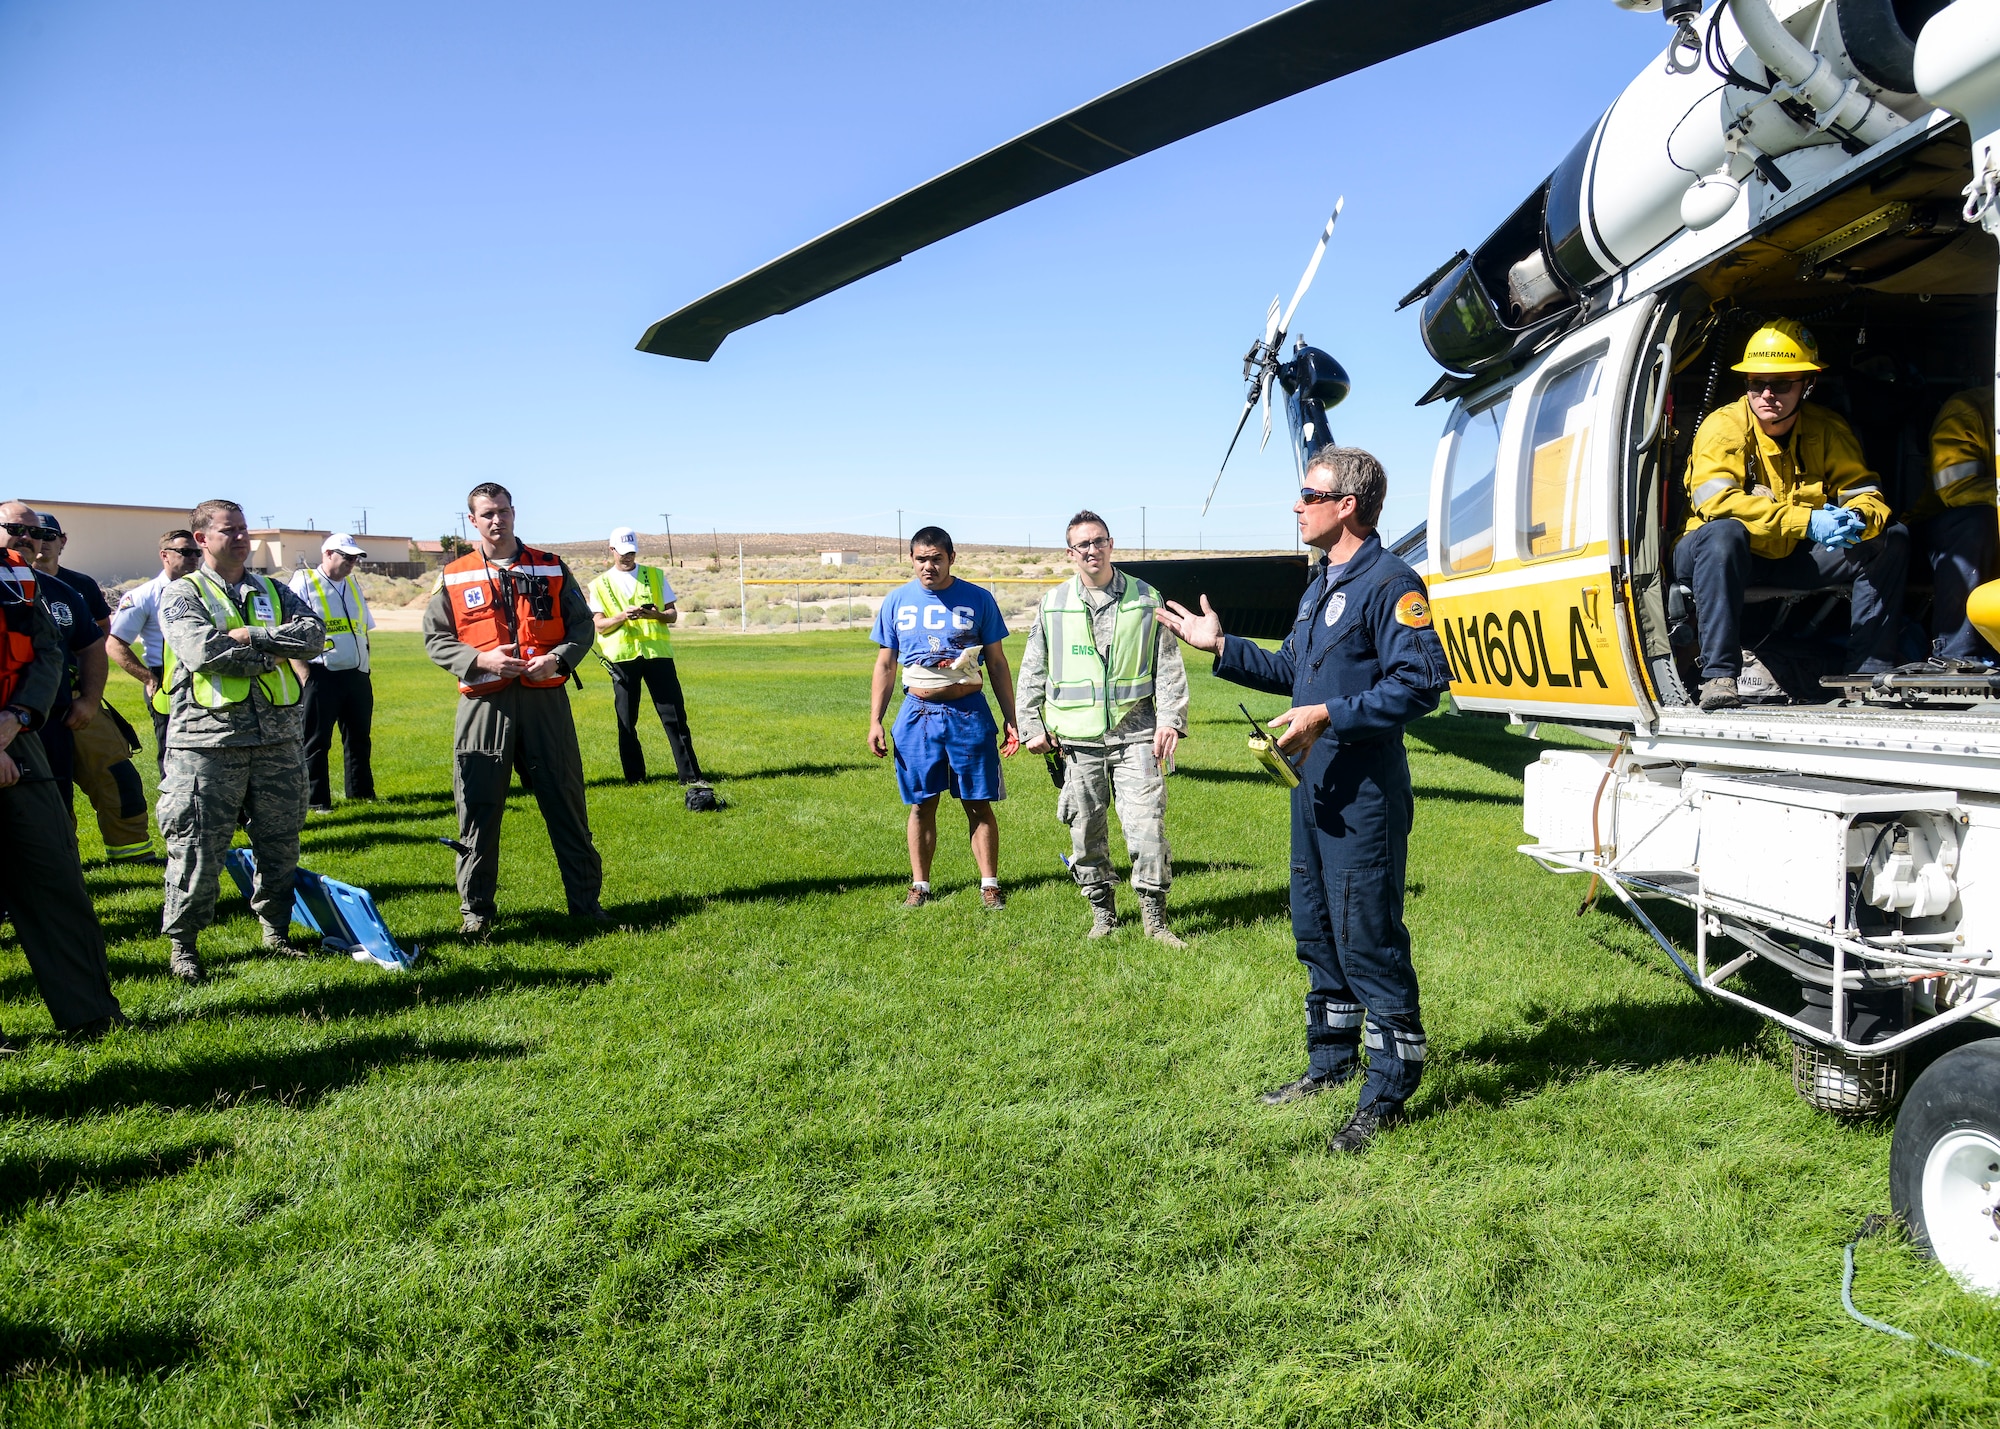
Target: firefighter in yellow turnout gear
[(1780, 495), (1955, 522), (1104, 683), (632, 607)]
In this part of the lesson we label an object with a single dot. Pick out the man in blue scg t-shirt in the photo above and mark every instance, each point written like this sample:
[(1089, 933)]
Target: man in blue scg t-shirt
[(940, 631)]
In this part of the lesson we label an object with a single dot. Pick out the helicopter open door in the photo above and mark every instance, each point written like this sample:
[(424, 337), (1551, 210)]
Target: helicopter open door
[(1527, 566)]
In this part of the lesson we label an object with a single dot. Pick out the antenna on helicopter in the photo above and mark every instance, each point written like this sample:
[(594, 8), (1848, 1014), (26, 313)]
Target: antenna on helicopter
[(1262, 364)]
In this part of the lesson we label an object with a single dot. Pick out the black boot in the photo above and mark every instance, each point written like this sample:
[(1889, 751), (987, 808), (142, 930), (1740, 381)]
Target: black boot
[(1363, 1127)]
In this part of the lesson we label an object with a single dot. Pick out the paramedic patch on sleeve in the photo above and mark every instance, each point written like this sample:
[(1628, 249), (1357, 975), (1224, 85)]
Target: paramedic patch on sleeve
[(1413, 610)]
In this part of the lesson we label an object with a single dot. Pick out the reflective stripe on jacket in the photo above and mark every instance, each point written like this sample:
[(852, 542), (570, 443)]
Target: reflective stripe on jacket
[(1962, 452), (1773, 485), (1085, 699), (17, 644), (281, 685), (635, 639), (494, 605)]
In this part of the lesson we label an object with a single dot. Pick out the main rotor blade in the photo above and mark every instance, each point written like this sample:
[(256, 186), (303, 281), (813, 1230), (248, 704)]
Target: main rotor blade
[(1312, 268), (1241, 422), (1271, 326), (1274, 59), (1266, 396)]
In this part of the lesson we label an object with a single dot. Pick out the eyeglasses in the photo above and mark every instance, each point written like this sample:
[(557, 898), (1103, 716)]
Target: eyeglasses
[(1776, 386), (1093, 544), (1311, 497), (32, 533)]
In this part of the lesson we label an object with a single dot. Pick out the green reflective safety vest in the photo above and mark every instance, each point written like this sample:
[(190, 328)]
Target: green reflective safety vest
[(635, 639), (1084, 700), (281, 686)]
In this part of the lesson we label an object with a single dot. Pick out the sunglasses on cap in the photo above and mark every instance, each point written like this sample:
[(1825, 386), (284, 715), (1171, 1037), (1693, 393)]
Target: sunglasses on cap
[(32, 533), (1308, 496)]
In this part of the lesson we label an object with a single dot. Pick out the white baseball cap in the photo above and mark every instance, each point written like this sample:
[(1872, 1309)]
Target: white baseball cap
[(342, 542), (625, 539)]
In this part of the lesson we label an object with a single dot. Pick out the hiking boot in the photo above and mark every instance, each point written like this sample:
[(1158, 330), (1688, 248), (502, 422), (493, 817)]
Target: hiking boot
[(992, 898), (1103, 910), (475, 925), (1309, 1085), (1363, 1127), (1720, 693), (1153, 918), (595, 913), (918, 897), (185, 964), (279, 940), (701, 799)]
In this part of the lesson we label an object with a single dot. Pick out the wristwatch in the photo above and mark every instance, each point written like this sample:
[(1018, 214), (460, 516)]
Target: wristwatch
[(23, 716)]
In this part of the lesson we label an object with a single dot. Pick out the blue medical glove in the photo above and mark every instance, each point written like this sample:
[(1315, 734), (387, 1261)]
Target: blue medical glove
[(1834, 526)]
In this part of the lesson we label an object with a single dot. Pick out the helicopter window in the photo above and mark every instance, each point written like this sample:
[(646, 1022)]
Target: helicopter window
[(1468, 488), (1555, 490)]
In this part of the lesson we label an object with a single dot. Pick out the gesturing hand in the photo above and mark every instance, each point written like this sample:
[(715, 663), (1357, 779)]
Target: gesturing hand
[(1203, 631)]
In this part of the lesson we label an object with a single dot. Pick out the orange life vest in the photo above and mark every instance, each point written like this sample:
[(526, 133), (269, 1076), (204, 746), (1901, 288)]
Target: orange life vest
[(494, 605), (17, 644)]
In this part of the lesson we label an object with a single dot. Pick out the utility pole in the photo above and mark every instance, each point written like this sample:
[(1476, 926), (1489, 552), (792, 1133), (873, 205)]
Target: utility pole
[(1142, 533), (268, 520), (364, 520), (742, 600), (899, 528), (668, 518)]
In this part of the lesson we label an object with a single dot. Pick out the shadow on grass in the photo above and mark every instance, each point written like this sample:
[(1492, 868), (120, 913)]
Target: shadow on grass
[(22, 987), (1484, 742), (200, 1083), (1501, 1066), (326, 840), (27, 1180), (1221, 776), (382, 997), (29, 1348)]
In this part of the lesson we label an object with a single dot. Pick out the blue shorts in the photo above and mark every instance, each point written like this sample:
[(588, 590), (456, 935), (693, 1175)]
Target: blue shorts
[(947, 749)]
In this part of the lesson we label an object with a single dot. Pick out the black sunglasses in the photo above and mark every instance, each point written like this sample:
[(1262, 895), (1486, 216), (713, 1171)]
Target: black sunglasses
[(33, 533), (188, 553), (1309, 497)]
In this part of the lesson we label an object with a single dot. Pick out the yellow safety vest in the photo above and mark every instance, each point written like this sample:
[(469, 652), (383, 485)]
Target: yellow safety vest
[(1084, 699), (336, 624), (281, 686), (635, 639)]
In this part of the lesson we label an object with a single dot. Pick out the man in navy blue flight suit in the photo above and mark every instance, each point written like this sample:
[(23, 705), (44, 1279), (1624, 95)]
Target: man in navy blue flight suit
[(1361, 662)]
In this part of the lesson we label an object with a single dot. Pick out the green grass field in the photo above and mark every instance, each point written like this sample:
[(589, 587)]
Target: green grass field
[(781, 1153)]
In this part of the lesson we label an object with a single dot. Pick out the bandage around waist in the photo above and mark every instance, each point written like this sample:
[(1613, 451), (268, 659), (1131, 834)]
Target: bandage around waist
[(962, 671)]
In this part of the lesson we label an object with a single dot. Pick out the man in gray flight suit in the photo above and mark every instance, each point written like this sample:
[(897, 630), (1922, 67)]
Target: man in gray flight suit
[(1361, 662), (1117, 706), (41, 880), (511, 623), (235, 727)]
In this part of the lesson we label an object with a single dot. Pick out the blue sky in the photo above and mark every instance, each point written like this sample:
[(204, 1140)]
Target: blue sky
[(323, 258)]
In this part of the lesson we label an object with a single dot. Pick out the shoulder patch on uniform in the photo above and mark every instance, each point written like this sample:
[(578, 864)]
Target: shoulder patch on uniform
[(475, 596), (1413, 610)]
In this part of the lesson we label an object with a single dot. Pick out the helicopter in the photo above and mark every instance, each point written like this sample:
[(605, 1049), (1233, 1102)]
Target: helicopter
[(1837, 839)]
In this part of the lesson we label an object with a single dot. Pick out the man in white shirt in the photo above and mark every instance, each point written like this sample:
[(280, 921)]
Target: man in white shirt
[(633, 608), (135, 644), (338, 689)]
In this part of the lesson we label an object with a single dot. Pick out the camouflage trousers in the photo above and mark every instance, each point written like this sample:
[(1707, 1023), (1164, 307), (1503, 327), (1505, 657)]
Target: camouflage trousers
[(204, 793), (1097, 776)]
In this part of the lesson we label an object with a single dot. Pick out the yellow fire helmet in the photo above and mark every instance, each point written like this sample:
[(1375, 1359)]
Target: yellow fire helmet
[(1783, 346)]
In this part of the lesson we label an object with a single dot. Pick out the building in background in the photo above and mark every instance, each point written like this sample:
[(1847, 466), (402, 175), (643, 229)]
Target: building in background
[(430, 553), (277, 550), (111, 543), (838, 558)]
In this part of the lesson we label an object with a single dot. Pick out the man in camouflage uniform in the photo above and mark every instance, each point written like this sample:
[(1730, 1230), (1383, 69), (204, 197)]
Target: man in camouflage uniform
[(235, 727), (1116, 707)]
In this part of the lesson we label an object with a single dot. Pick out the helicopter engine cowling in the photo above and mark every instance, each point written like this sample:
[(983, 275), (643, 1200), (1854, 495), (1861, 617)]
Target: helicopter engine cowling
[(1618, 194)]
